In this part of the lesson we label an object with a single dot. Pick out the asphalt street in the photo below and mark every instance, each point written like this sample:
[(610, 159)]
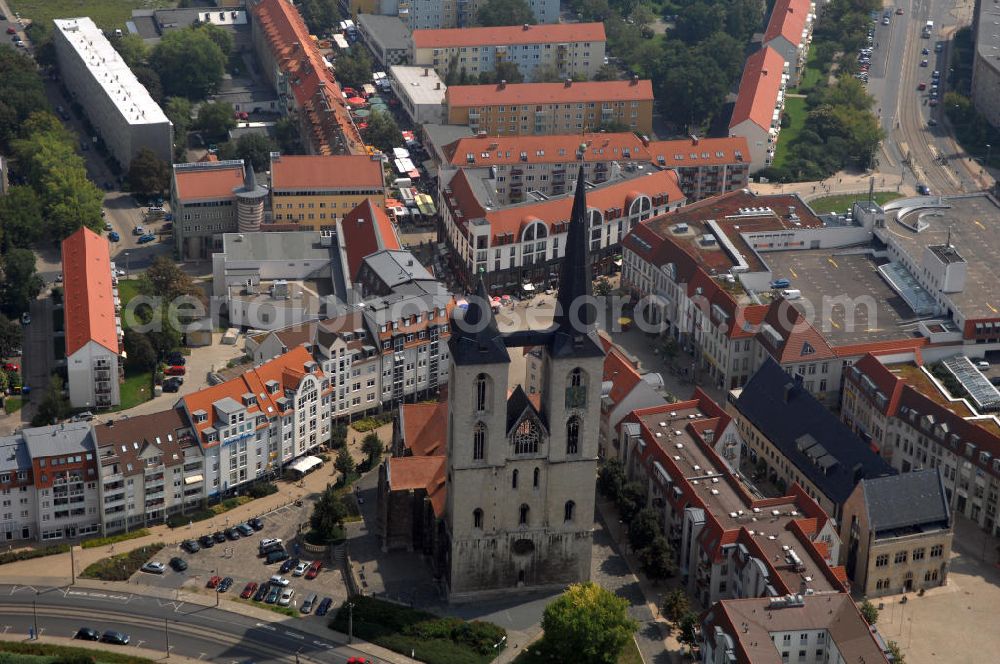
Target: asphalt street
[(189, 629)]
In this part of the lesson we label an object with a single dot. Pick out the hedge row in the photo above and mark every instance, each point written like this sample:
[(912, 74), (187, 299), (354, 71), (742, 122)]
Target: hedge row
[(28, 554), (106, 541), (366, 424), (178, 520), (69, 653), (121, 566)]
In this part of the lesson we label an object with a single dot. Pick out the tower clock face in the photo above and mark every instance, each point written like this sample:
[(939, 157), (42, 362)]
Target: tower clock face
[(576, 396)]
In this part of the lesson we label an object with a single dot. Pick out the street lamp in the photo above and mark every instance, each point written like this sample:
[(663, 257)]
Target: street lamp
[(498, 646), (126, 265), (34, 613), (350, 622), (989, 152)]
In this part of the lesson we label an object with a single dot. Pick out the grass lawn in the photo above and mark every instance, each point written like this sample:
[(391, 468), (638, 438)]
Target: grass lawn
[(127, 289), (120, 567), (795, 107), (106, 13), (12, 404), (811, 75), (137, 389), (44, 653), (844, 201)]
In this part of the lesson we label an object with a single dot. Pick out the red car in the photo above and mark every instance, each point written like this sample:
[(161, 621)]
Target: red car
[(11, 31), (358, 660), (175, 371), (213, 582), (922, 86), (314, 569), (248, 592), (11, 367)]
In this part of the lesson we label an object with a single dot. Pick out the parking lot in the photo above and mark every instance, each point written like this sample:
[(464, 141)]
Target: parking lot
[(239, 560)]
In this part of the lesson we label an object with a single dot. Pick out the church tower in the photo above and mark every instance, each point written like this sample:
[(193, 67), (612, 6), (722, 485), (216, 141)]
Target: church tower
[(521, 469)]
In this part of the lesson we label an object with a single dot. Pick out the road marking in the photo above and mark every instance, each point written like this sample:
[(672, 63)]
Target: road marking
[(832, 262), (979, 223), (270, 628), (202, 655), (295, 635), (794, 274), (139, 644), (992, 308), (322, 644)]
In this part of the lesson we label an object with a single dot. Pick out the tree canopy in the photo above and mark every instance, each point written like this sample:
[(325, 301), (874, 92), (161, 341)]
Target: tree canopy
[(189, 62), (383, 132), (354, 68), (505, 12), (320, 15), (11, 336), (54, 405), (590, 622), (328, 515), (148, 175), (215, 119), (21, 94), (255, 148)]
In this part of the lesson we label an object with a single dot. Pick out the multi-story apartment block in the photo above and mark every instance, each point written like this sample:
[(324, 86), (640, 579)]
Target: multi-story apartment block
[(569, 49), (119, 108), (730, 543), (305, 84), (19, 516), (908, 415), (518, 246), (808, 629), (897, 533), (624, 390), (434, 14), (799, 441), (789, 32), (150, 468), (552, 108), (210, 199), (313, 192), (759, 103), (985, 66), (387, 37), (704, 166), (92, 326), (252, 425)]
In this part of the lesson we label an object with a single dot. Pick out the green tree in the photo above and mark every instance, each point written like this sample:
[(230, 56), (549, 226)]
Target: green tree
[(897, 655), (150, 80), (222, 38), (546, 73), (611, 478), (676, 605), (644, 528), (506, 71), (321, 16), (590, 622), (19, 284), (189, 63), (354, 68), (657, 559), (687, 626), (608, 72), (286, 131), (700, 20), (21, 223), (383, 132), (54, 405), (178, 111), (505, 12), (165, 279), (132, 48), (338, 435), (215, 119), (11, 336), (344, 463), (870, 612), (631, 500), (373, 447), (140, 352), (254, 148), (148, 175), (602, 287), (328, 515), (21, 94)]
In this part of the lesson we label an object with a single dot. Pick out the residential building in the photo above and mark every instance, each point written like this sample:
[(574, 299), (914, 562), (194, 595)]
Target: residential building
[(759, 103), (312, 192), (366, 230), (292, 64), (211, 198), (730, 543), (985, 66), (420, 91), (150, 467), (810, 629), (552, 108), (118, 107), (897, 533), (387, 37), (789, 32), (567, 49), (519, 246), (902, 410), (249, 427), (19, 517), (153, 24), (387, 271), (92, 327), (624, 390), (434, 14), (793, 439), (64, 471), (704, 166)]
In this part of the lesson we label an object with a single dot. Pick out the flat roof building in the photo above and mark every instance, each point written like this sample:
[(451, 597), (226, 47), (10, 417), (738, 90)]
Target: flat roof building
[(387, 37), (420, 91), (119, 108)]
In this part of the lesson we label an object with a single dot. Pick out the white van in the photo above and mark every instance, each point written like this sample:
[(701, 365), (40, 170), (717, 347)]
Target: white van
[(791, 293)]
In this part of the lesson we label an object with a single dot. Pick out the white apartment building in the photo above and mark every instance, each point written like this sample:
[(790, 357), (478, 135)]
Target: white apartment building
[(93, 328), (119, 108), (569, 49), (789, 32)]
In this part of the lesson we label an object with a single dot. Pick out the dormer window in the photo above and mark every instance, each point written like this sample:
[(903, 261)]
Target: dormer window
[(249, 399), (272, 386)]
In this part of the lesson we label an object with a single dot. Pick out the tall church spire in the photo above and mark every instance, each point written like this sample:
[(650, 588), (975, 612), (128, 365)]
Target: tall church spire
[(574, 282), (475, 337)]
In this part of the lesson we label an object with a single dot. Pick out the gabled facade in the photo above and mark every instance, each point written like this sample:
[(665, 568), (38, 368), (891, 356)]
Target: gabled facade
[(789, 32), (759, 103)]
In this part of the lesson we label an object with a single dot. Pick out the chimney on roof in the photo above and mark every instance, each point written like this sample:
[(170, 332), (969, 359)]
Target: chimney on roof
[(427, 71), (635, 79), (568, 82), (763, 72), (526, 26), (645, 140), (694, 139), (787, 391), (502, 84)]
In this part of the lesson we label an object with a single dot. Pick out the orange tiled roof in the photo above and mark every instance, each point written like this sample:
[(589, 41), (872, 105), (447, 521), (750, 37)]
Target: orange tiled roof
[(89, 301), (366, 229), (622, 374), (509, 35), (801, 341), (425, 430), (413, 472), (325, 172), (759, 88), (788, 20), (204, 183), (461, 96)]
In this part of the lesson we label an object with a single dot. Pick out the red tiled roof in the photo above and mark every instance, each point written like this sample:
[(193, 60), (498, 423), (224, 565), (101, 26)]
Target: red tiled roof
[(413, 472), (425, 430), (461, 96), (366, 229), (509, 35), (622, 374), (759, 88), (788, 20), (205, 183), (880, 347), (89, 308), (326, 172), (801, 342)]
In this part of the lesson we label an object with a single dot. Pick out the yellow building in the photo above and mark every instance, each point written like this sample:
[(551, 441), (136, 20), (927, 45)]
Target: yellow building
[(312, 192), (552, 108)]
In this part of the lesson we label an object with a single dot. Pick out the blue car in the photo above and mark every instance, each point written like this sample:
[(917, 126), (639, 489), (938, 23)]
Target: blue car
[(780, 283), (114, 236), (148, 237)]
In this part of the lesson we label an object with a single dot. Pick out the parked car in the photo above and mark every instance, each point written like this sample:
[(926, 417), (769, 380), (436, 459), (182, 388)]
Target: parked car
[(248, 590), (87, 634), (219, 536), (114, 237), (923, 63), (138, 230), (308, 603), (256, 523), (179, 564), (266, 542), (231, 533), (190, 546), (11, 30), (244, 529), (301, 568), (314, 569), (176, 359), (286, 597), (262, 592), (923, 190), (206, 541), (149, 237), (153, 568), (9, 366), (781, 283), (225, 584), (275, 556), (173, 384), (180, 371), (85, 416), (213, 582), (118, 638), (273, 594), (324, 606), (289, 565), (921, 86), (279, 580)]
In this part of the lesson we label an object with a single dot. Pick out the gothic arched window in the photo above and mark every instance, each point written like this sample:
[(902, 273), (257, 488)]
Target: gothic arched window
[(479, 441), (523, 516), (514, 479), (477, 518), (573, 435), (569, 510), (482, 392), (576, 389), (535, 478), (526, 438)]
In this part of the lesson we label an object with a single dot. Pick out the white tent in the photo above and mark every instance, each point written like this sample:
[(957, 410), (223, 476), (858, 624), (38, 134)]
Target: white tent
[(306, 464)]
